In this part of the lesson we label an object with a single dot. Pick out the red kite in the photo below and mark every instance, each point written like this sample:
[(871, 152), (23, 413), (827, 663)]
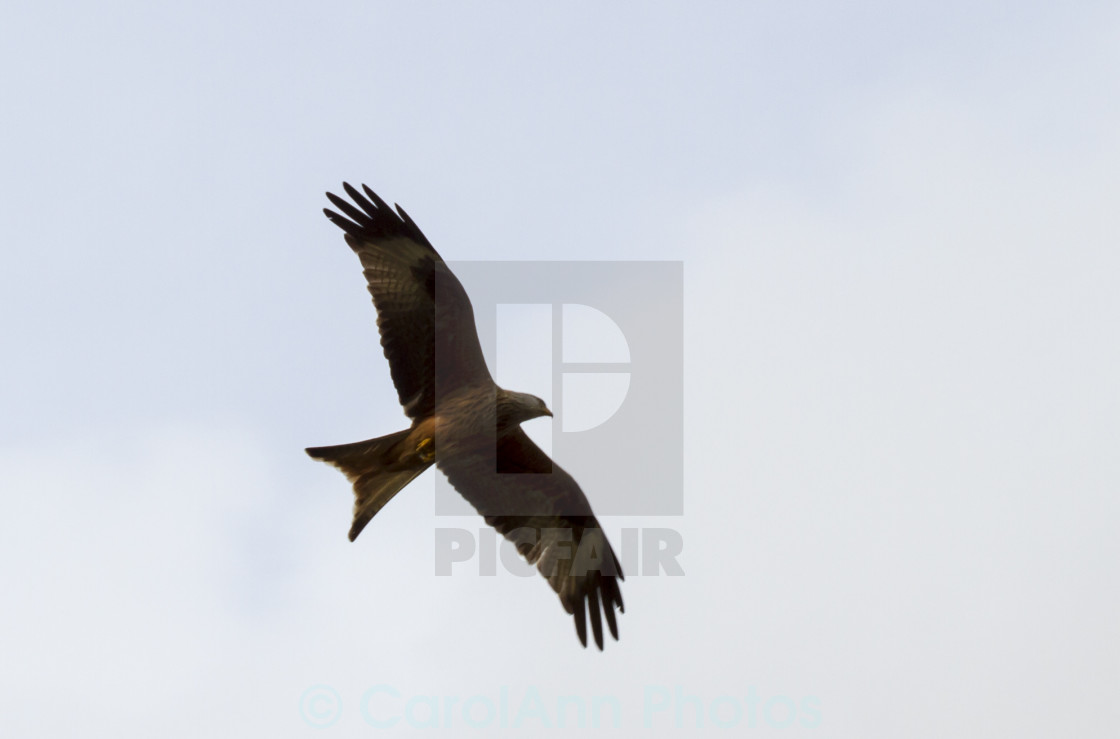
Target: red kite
[(462, 421)]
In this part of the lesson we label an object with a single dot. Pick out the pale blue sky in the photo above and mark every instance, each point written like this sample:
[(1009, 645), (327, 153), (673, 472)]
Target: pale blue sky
[(898, 225)]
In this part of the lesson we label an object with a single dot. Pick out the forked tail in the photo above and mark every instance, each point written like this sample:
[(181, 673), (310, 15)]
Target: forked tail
[(375, 469)]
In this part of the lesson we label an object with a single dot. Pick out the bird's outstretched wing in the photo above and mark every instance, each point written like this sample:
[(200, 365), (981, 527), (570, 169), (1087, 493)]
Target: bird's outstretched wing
[(539, 507), (423, 312)]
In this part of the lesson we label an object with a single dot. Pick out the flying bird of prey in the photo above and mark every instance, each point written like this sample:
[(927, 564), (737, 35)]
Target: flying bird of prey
[(462, 421)]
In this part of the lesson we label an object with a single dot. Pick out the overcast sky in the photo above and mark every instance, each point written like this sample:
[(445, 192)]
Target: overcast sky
[(898, 227)]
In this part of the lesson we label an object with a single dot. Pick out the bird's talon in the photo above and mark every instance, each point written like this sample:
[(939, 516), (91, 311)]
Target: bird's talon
[(426, 450)]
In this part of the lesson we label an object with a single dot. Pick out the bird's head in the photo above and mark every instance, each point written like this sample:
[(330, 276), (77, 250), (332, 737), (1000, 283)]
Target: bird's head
[(514, 407)]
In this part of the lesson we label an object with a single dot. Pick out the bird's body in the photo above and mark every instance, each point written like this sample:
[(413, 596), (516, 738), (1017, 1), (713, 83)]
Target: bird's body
[(462, 421)]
